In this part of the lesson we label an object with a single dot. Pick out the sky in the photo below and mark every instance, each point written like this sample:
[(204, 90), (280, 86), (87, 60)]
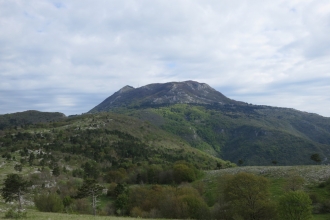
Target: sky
[(68, 56)]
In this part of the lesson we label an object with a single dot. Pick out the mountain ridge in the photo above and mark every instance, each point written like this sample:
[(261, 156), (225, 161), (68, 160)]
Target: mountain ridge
[(209, 121), (232, 130)]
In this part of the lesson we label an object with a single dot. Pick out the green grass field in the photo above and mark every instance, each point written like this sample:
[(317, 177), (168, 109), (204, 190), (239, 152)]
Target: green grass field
[(321, 217), (35, 215)]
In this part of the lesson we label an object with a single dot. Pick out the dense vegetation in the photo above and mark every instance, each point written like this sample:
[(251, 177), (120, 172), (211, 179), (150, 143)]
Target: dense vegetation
[(57, 180), (110, 140), (110, 150), (254, 135), (140, 162), (234, 196), (28, 117)]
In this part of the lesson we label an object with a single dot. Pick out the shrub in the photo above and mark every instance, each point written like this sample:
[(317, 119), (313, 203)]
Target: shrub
[(82, 206), (197, 208), (183, 173), (67, 201), (295, 205), (325, 206), (248, 196), (294, 183), (49, 202), (138, 213), (121, 204), (12, 213), (111, 190)]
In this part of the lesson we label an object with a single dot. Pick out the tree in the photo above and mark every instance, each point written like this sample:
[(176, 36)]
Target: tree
[(14, 188), (183, 173), (49, 202), (91, 170), (56, 170), (90, 188), (248, 197), (295, 205), (121, 202), (294, 183), (31, 159), (316, 158), (196, 207), (240, 162), (120, 189), (18, 167)]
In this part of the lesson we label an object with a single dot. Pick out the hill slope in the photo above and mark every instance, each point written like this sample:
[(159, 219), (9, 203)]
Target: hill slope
[(28, 117), (107, 138), (255, 135)]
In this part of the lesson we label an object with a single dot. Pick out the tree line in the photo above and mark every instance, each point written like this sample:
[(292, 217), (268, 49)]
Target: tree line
[(240, 196)]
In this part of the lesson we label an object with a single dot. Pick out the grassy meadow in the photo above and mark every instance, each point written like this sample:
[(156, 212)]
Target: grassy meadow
[(36, 215)]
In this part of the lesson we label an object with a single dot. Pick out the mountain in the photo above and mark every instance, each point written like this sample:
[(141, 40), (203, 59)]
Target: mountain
[(217, 125), (163, 94), (28, 117)]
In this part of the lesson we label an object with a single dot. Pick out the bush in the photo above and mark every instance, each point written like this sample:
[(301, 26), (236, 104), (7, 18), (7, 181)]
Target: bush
[(295, 205), (197, 208), (121, 204), (220, 211), (249, 197), (294, 183), (82, 206), (108, 209), (325, 206), (111, 190), (12, 213), (138, 213), (49, 202), (183, 173)]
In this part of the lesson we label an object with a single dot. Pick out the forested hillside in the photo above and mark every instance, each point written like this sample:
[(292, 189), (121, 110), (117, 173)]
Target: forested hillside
[(56, 164), (28, 117), (109, 139), (254, 135), (240, 132)]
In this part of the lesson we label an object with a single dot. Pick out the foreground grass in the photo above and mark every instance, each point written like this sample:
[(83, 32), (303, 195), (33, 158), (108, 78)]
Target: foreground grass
[(36, 215), (321, 217)]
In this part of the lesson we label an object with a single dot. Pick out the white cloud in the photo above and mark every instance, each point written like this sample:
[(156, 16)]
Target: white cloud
[(70, 55)]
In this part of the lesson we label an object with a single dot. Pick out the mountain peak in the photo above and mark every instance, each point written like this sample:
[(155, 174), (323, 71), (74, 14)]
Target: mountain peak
[(187, 92), (125, 89)]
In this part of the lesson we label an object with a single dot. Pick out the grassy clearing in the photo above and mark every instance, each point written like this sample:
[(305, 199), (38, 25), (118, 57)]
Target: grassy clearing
[(311, 173), (276, 187)]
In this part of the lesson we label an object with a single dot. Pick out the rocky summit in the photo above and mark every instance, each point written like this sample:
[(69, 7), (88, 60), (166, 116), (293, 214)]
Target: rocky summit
[(188, 92)]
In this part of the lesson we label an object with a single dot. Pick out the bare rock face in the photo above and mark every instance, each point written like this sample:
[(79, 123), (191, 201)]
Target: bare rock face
[(188, 92)]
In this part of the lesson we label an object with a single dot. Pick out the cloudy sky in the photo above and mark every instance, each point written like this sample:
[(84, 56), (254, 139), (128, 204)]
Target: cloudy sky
[(69, 55)]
